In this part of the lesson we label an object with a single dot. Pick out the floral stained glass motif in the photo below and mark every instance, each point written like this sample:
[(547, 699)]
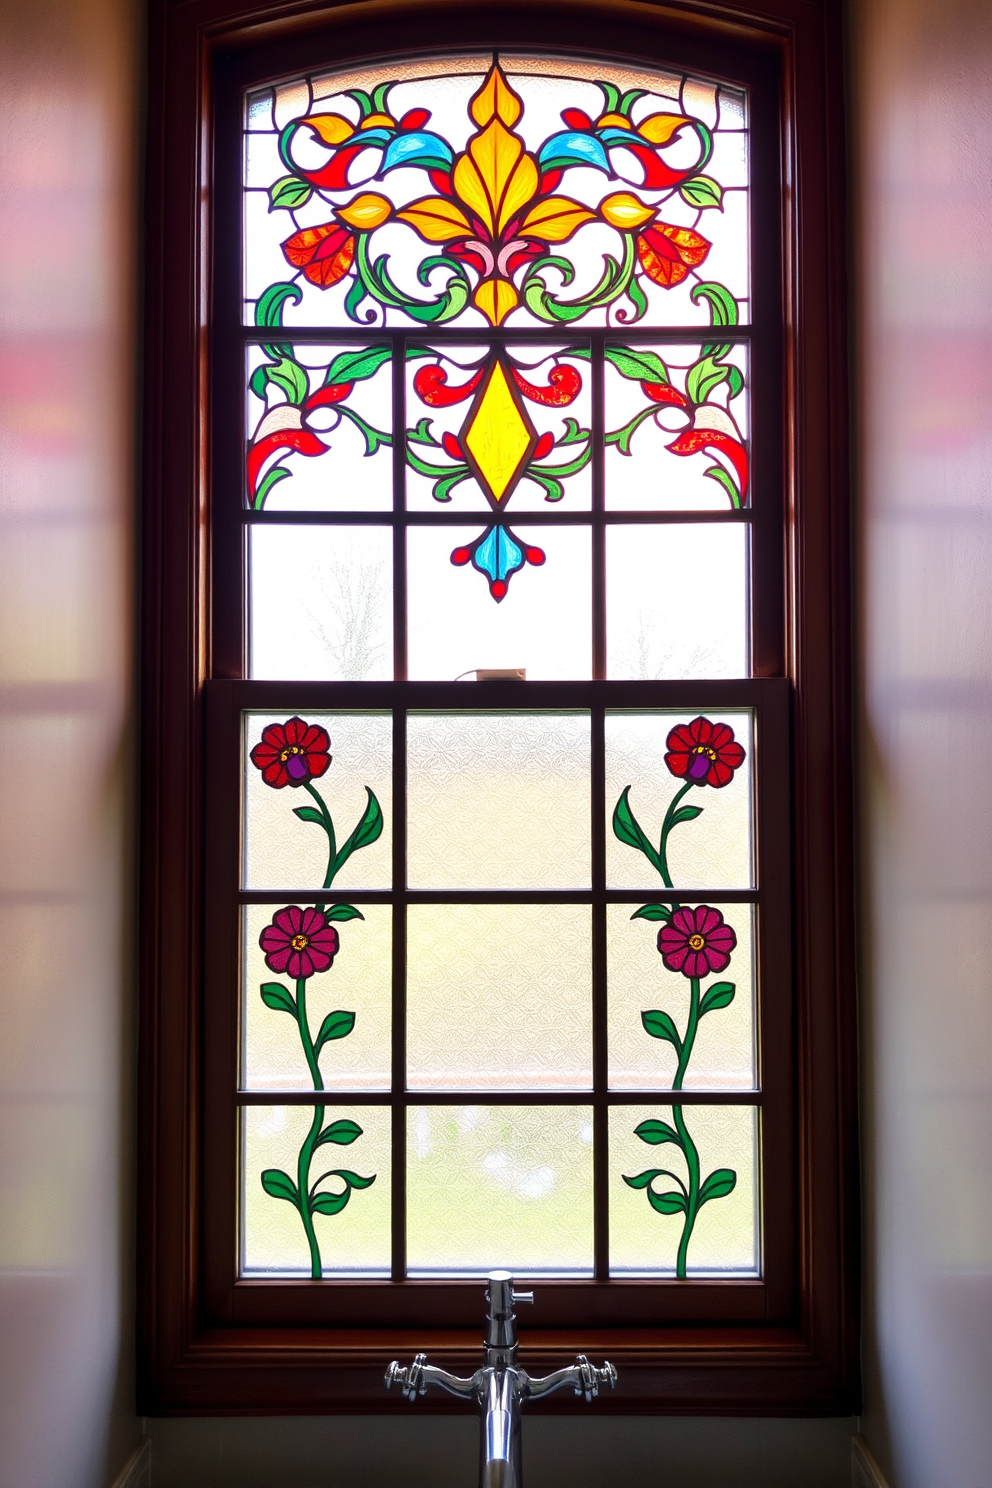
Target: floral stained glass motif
[(502, 196), (300, 943)]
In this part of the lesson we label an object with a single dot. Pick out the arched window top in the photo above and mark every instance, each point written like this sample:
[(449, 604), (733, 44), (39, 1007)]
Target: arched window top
[(486, 192)]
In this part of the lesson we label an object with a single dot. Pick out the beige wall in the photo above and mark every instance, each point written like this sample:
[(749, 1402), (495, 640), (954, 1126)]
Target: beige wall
[(925, 383), (67, 144)]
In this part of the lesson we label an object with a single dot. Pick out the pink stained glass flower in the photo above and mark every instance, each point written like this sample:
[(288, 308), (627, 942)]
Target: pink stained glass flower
[(292, 753), (696, 941), (299, 942)]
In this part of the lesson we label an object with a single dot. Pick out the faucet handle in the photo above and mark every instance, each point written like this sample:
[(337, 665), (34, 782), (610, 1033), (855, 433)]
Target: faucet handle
[(590, 1378), (502, 1296), (523, 1297), (410, 1380)]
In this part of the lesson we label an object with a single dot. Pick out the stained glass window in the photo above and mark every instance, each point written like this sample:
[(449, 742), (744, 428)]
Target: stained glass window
[(500, 901)]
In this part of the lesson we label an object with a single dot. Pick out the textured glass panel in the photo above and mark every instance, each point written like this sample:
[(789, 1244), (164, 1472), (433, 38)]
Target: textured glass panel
[(676, 601), (357, 982), (498, 800), (318, 428), (677, 427), (532, 192), (719, 1053), (488, 427), (321, 603), (499, 995), (354, 1241), (281, 851), (712, 849), (499, 1186), (723, 1230), (543, 624)]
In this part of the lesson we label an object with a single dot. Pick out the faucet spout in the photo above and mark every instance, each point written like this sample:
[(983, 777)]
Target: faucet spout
[(500, 1466)]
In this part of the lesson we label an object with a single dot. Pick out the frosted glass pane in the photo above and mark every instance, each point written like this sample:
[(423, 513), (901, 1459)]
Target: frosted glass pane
[(353, 1242), (533, 421), (499, 1186), (499, 995), (283, 852), (676, 601), (722, 1056), (318, 427), (498, 800), (674, 416), (724, 1235), (543, 623), (358, 981), (321, 603), (713, 850)]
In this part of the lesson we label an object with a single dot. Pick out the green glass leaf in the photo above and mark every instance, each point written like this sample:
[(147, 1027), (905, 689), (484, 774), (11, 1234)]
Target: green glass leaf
[(355, 366), (652, 912), (684, 814), (354, 298), (271, 478), (422, 433), (660, 1026), (289, 192), (622, 437), (720, 1183), (639, 366), (703, 377), (637, 298), (373, 437), (667, 1203), (336, 1025), (443, 488), (574, 433), (735, 380), (717, 473), (702, 191), (279, 1185), (354, 1180), (268, 309), (723, 306), (342, 1132), (720, 995), (641, 1180), (369, 829), (276, 996), (343, 912), (309, 813), (329, 1203), (656, 1133), (629, 99), (628, 830), (363, 99)]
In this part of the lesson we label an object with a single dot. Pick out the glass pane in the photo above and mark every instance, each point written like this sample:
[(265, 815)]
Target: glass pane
[(676, 601), (498, 800), (487, 427), (321, 603), (499, 1186), (351, 1163), (348, 999), (319, 421), (343, 769), (707, 1226), (499, 996), (682, 781), (543, 623), (677, 427), (649, 999), (466, 192)]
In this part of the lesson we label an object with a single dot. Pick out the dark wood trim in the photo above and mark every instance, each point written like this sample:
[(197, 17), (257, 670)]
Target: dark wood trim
[(787, 1344)]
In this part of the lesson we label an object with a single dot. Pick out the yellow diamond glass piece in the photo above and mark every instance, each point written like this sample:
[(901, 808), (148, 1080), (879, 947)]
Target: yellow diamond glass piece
[(499, 435)]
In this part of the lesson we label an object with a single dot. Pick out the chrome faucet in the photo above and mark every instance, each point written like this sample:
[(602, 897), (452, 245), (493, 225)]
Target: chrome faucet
[(500, 1387)]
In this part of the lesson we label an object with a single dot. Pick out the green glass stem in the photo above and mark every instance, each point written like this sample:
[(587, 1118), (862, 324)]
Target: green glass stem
[(692, 1023), (328, 825), (666, 828), (309, 1143), (692, 1198)]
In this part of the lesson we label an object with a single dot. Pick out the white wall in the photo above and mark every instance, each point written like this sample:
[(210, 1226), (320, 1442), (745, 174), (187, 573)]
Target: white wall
[(925, 383), (66, 409)]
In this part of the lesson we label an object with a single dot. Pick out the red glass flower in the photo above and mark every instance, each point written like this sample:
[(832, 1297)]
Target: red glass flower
[(705, 753), (696, 941), (324, 253), (299, 941), (291, 753)]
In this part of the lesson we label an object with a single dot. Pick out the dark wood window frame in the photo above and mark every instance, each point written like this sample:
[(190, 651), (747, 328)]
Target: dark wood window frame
[(788, 1342)]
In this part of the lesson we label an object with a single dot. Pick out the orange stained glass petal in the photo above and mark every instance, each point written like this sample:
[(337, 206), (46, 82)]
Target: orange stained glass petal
[(496, 298), (437, 220), (499, 436), (496, 100), (556, 218)]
